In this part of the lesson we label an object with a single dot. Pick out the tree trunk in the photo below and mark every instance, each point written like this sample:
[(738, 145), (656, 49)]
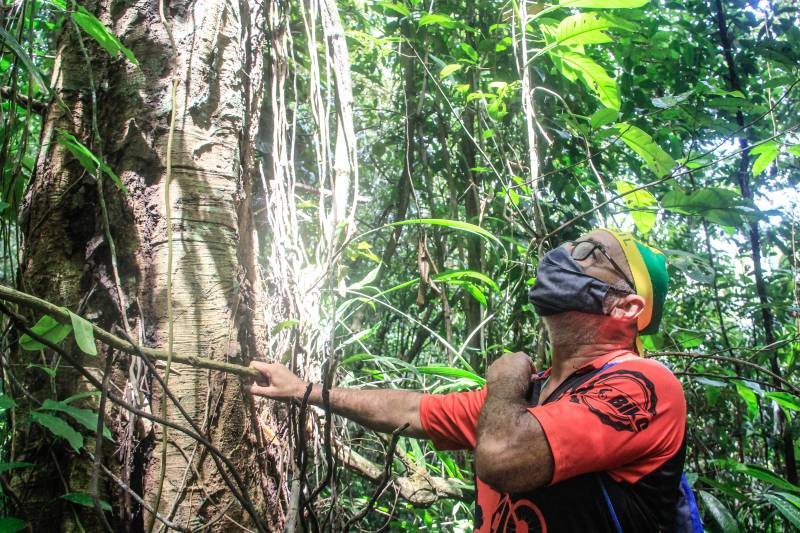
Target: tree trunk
[(216, 290)]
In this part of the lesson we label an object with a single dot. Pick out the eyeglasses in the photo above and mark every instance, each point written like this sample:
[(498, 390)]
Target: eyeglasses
[(583, 249)]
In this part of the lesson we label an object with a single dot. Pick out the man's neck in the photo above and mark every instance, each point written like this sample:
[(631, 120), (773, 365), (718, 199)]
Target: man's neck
[(569, 357)]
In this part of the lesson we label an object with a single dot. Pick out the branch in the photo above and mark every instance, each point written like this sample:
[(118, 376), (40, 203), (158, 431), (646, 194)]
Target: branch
[(734, 360), (62, 315), (36, 106), (420, 489)]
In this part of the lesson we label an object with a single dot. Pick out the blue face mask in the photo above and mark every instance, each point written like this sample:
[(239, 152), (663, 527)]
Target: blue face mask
[(562, 286)]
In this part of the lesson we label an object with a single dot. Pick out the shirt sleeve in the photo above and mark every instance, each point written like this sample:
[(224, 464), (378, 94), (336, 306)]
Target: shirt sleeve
[(627, 421), (451, 420)]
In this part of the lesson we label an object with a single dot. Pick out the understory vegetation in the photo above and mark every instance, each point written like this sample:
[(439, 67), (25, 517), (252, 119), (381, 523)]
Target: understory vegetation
[(362, 190)]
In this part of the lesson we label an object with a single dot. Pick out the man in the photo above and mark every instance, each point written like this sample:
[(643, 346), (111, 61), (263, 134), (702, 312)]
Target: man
[(595, 443)]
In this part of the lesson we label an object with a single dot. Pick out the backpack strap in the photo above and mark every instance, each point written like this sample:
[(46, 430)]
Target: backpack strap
[(610, 505), (694, 512)]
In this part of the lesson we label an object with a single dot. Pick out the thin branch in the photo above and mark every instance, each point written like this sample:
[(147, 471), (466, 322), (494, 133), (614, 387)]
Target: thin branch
[(385, 478), (62, 315)]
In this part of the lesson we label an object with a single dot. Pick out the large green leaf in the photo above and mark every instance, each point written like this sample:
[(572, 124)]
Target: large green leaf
[(5, 467), (788, 509), (84, 417), (787, 401), (47, 327), (749, 397), (604, 4), (722, 206), (641, 204), (453, 224), (91, 25), (762, 474), (459, 274), (583, 28), (438, 19), (10, 41), (450, 372), (84, 335), (720, 513), (59, 428), (656, 159), (767, 153), (85, 500), (9, 524), (573, 64), (6, 402), (400, 9), (86, 158)]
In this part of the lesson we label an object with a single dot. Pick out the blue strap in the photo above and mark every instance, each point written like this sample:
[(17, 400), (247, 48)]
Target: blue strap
[(609, 504), (697, 522)]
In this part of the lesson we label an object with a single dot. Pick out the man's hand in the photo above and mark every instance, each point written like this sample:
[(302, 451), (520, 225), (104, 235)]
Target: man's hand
[(512, 372), (512, 454), (277, 382)]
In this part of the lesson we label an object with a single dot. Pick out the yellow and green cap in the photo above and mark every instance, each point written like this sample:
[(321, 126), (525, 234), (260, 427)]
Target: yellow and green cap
[(649, 268)]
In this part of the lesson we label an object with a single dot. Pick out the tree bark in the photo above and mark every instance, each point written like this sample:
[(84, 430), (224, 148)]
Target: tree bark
[(217, 293)]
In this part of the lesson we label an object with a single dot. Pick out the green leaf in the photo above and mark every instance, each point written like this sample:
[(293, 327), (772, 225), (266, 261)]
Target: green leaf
[(458, 274), (603, 116), (603, 4), (47, 327), (453, 224), (86, 158), (656, 159), (476, 96), (400, 9), (10, 41), (437, 18), (794, 150), (641, 203), (749, 398), (590, 73), (92, 26), (762, 474), (6, 402), (719, 512), (5, 467), (469, 51), (450, 372), (84, 335), (85, 500), (59, 428), (9, 524), (785, 400), (583, 28), (767, 153), (449, 69), (722, 206), (476, 293), (789, 510), (84, 417), (286, 324)]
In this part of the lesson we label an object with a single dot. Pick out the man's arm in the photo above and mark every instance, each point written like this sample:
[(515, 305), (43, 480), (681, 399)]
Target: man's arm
[(512, 454), (378, 409)]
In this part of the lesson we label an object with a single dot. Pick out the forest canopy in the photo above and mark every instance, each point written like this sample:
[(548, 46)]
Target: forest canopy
[(362, 190)]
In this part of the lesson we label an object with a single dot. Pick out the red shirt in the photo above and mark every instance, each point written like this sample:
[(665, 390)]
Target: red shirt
[(626, 421)]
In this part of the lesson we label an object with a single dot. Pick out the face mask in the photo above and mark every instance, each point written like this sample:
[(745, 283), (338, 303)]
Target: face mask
[(562, 286)]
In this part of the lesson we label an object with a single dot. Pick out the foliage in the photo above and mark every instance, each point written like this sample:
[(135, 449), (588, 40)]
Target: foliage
[(635, 123)]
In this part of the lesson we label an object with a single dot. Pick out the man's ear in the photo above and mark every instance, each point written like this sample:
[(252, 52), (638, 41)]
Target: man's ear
[(628, 307)]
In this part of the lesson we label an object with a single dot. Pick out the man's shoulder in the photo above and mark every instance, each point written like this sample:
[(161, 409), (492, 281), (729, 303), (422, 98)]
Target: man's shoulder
[(654, 370)]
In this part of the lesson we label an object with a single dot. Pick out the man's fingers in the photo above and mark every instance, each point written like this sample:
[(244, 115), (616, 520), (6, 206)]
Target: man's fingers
[(263, 368), (261, 390)]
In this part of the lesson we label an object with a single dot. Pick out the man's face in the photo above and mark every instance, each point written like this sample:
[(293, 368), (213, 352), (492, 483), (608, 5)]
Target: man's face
[(598, 266)]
